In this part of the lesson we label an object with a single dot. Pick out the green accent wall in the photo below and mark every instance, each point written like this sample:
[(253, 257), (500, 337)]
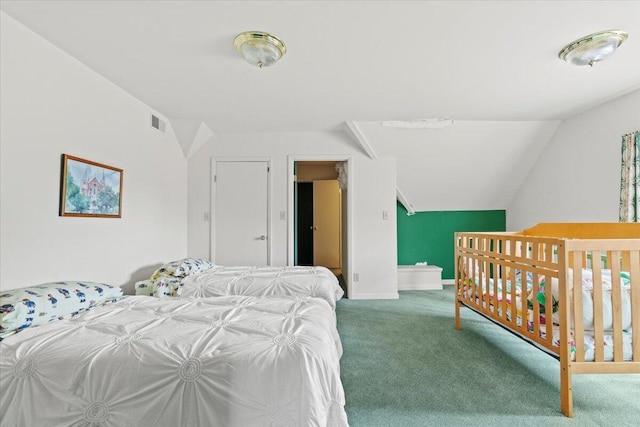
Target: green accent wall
[(428, 236)]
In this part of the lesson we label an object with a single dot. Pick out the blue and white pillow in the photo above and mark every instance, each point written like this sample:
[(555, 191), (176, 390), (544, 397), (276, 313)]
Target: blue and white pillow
[(40, 304)]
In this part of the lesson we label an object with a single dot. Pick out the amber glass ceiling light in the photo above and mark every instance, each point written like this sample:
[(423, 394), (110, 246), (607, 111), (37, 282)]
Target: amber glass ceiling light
[(259, 48), (593, 48)]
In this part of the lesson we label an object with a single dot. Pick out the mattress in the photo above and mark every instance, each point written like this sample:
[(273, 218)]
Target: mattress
[(317, 282), (227, 361)]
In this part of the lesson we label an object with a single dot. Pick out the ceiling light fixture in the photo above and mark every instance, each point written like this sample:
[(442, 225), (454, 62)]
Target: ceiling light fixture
[(593, 48), (418, 124), (259, 48)]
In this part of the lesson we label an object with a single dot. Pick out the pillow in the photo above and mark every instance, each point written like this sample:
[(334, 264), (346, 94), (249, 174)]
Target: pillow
[(161, 287), (167, 286), (144, 287), (37, 305), (183, 267)]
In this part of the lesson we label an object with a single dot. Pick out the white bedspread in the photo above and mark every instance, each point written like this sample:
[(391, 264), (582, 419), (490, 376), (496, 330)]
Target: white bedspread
[(228, 361), (317, 282)]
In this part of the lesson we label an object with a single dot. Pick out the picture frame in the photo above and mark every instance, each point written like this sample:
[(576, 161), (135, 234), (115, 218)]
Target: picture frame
[(90, 189)]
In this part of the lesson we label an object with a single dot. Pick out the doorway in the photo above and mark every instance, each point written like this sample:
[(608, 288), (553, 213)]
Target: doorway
[(318, 215), (347, 195)]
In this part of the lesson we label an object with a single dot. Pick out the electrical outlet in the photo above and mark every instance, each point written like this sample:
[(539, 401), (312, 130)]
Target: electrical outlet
[(356, 277)]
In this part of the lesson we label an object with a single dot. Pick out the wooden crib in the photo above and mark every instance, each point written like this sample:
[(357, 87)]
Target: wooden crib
[(553, 259)]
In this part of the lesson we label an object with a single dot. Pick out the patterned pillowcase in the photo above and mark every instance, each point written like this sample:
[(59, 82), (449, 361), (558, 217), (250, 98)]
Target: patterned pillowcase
[(183, 267), (161, 287), (167, 286), (37, 305), (144, 287)]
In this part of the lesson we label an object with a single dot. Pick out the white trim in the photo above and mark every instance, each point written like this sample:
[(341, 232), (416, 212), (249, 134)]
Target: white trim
[(356, 133), (392, 295), (404, 202), (291, 159), (212, 198), (448, 281)]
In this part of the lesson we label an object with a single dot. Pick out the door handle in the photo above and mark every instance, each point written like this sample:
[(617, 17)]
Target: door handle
[(263, 237)]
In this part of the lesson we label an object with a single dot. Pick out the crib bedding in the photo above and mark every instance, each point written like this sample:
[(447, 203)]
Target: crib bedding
[(318, 282), (589, 338), (586, 291), (587, 296), (228, 361), (488, 285)]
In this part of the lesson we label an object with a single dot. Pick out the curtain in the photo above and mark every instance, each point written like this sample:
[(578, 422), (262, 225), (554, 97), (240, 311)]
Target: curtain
[(629, 191)]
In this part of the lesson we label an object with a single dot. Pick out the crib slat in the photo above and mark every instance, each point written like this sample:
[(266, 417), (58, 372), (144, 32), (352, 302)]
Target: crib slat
[(634, 269), (626, 261), (513, 306), (548, 309), (613, 259), (495, 268), (535, 288), (576, 295), (474, 278), (512, 298), (510, 277), (596, 267)]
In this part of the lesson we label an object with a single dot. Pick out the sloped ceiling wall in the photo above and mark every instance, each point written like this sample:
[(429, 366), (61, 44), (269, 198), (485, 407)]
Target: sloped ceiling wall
[(470, 165)]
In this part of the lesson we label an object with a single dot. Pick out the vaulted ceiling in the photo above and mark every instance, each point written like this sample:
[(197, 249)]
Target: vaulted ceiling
[(491, 66)]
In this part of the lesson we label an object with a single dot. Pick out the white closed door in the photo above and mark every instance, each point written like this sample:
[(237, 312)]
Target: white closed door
[(241, 202)]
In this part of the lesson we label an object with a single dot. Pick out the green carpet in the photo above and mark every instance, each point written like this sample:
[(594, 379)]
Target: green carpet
[(404, 364)]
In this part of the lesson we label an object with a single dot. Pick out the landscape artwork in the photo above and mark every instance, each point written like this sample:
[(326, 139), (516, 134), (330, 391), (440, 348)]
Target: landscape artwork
[(90, 189)]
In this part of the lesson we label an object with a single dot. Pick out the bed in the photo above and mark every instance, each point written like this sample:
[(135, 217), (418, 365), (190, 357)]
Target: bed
[(210, 280), (143, 361), (318, 282), (572, 290)]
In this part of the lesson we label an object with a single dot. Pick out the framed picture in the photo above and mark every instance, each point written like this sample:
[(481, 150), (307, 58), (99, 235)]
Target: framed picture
[(90, 189)]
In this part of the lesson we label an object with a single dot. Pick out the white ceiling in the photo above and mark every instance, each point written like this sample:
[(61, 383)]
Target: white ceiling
[(492, 66)]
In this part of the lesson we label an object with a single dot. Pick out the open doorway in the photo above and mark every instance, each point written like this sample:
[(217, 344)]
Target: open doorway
[(319, 215)]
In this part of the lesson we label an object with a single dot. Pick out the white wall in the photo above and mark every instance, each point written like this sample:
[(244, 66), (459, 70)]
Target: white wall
[(577, 177), (374, 248), (51, 104)]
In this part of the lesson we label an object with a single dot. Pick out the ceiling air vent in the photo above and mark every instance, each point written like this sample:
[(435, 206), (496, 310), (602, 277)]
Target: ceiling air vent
[(157, 123)]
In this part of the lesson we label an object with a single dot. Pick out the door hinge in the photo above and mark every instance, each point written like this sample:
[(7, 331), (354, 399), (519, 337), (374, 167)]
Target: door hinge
[(215, 178), (268, 169)]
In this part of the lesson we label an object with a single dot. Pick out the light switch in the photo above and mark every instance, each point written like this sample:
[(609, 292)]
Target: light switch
[(385, 215), (283, 215)]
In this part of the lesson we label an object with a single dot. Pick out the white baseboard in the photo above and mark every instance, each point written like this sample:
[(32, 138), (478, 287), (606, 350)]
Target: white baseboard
[(448, 281)]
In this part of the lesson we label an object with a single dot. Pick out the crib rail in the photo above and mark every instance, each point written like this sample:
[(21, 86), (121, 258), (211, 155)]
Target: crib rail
[(548, 307)]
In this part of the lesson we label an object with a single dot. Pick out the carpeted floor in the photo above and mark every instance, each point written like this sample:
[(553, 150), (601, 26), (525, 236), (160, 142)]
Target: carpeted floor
[(404, 364)]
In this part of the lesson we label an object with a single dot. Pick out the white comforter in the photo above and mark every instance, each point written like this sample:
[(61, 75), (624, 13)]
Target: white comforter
[(229, 361), (317, 282)]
